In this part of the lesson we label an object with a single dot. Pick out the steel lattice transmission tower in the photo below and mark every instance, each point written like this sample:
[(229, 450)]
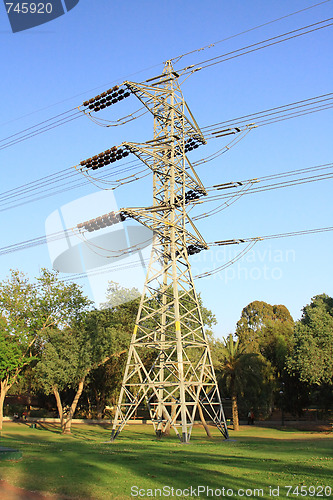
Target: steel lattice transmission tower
[(169, 363)]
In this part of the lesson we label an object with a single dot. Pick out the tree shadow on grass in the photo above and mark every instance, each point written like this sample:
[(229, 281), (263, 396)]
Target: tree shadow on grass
[(49, 427), (83, 466)]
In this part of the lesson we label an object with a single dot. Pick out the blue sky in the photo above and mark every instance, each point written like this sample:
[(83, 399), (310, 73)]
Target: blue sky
[(54, 67)]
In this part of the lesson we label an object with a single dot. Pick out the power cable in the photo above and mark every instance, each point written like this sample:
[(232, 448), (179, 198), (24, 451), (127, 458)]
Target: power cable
[(231, 200), (34, 130), (65, 180), (254, 47), (251, 242), (209, 129), (177, 58), (63, 234), (229, 263), (247, 187), (295, 115), (41, 123), (55, 184), (278, 185), (45, 186), (126, 77), (104, 270), (41, 130), (272, 236), (288, 173)]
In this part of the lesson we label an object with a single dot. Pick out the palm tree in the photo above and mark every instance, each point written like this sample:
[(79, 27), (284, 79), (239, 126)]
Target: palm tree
[(237, 368)]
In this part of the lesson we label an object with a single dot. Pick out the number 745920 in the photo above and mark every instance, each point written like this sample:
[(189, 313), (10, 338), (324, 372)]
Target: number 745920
[(311, 491), (29, 8)]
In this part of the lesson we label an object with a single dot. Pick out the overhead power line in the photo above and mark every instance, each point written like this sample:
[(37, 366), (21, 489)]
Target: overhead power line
[(258, 46), (272, 236), (289, 173), (113, 82), (177, 58), (250, 186), (66, 179), (250, 243), (105, 270), (38, 129), (250, 189), (274, 113), (277, 185), (75, 113)]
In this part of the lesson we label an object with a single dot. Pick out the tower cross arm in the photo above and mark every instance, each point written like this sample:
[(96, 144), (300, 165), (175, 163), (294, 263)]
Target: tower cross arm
[(155, 218), (154, 153), (155, 101)]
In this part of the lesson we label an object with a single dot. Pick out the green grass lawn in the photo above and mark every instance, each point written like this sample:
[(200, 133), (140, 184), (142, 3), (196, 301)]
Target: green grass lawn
[(84, 466)]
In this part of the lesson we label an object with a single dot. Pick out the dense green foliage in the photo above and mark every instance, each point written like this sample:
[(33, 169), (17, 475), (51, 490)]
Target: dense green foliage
[(267, 330), (312, 358), (11, 356), (52, 343), (117, 320), (298, 357), (29, 312)]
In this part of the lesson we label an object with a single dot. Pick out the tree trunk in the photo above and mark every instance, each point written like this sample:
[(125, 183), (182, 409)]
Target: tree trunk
[(59, 405), (168, 425), (4, 389), (234, 412), (66, 429), (203, 421), (100, 405), (89, 407)]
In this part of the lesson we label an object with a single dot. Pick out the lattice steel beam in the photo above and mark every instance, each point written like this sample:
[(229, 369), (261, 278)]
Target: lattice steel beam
[(169, 366)]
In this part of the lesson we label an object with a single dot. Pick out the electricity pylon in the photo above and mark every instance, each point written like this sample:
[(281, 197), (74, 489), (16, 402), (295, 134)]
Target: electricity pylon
[(169, 365)]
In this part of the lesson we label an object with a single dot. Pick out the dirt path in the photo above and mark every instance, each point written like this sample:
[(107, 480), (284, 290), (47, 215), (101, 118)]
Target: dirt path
[(9, 492)]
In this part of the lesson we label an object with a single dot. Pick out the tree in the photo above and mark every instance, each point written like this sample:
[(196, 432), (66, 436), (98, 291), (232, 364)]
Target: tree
[(70, 355), (28, 311), (311, 358), (12, 361), (62, 366), (105, 379), (117, 295), (267, 330), (117, 315), (261, 324), (236, 368)]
